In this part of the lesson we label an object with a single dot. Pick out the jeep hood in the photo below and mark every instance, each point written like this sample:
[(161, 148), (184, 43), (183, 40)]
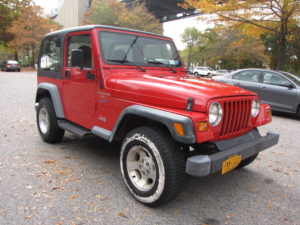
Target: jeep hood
[(170, 91)]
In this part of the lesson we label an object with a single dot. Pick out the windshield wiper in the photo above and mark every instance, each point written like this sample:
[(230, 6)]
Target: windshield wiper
[(130, 47), (122, 61), (160, 63)]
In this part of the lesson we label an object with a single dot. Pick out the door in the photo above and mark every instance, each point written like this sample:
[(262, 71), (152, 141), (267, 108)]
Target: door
[(277, 94), (79, 84), (249, 80)]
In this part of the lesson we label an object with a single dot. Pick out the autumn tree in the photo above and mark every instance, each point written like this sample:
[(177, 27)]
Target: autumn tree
[(10, 10), (191, 37), (277, 17), (232, 49), (227, 48), (28, 30), (115, 13)]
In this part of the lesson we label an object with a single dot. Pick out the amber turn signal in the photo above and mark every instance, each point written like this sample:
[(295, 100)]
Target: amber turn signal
[(203, 126), (268, 113), (179, 129)]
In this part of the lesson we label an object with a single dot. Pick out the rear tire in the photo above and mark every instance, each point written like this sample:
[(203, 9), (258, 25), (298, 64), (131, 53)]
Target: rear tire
[(246, 162), (47, 122), (152, 165)]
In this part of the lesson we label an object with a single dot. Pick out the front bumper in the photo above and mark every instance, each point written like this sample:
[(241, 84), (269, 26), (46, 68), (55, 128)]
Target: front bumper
[(246, 146)]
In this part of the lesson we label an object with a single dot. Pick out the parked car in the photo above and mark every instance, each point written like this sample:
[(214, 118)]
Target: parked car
[(11, 65), (281, 90), (201, 71), (220, 72), (189, 70), (132, 88)]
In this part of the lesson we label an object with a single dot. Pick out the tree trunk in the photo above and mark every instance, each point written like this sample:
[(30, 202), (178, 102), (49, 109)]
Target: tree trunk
[(189, 56), (16, 56), (281, 50), (33, 59)]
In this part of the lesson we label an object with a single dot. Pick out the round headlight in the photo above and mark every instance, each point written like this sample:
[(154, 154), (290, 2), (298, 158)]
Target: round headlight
[(215, 113), (255, 108)]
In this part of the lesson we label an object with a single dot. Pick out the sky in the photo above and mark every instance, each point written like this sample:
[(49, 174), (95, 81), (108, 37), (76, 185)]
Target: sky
[(172, 29)]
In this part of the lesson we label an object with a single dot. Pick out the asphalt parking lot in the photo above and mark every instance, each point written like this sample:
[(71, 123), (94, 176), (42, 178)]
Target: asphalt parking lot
[(79, 181)]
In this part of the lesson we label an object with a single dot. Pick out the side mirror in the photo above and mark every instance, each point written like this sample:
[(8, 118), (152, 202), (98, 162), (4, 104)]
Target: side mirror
[(77, 58)]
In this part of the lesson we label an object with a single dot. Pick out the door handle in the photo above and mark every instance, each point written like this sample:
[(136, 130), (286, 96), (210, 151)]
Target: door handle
[(90, 75), (68, 74)]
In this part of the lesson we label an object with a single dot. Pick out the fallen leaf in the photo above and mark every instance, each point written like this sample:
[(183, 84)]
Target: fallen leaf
[(73, 196), (55, 188), (50, 161), (122, 214), (28, 217)]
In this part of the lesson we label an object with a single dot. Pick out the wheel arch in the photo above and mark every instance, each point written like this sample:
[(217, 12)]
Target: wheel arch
[(50, 90), (136, 115)]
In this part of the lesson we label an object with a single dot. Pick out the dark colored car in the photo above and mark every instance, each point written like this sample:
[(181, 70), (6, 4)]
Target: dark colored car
[(281, 90), (10, 65)]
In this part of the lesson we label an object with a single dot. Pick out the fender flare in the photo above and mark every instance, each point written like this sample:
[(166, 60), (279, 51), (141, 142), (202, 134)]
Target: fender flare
[(164, 117), (55, 96)]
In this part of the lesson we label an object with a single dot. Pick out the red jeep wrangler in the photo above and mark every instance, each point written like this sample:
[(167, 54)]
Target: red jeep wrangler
[(130, 86)]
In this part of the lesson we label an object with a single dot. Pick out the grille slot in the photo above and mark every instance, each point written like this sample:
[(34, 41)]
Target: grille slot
[(236, 116)]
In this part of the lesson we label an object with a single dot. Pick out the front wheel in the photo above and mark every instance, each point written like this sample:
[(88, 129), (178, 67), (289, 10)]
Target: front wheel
[(152, 165), (47, 122)]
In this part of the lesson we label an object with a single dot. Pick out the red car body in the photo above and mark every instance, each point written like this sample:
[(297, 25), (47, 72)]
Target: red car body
[(112, 99)]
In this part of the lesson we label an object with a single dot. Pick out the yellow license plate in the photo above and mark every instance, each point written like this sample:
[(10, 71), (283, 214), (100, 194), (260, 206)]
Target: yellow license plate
[(230, 163)]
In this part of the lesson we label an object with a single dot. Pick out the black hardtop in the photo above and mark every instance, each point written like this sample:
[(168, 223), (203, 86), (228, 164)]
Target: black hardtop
[(64, 32)]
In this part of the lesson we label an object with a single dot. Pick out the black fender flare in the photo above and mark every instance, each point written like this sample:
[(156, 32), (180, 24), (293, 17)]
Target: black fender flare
[(55, 96), (164, 117)]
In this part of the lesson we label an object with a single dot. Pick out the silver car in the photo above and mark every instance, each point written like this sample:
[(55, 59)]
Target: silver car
[(10, 65), (281, 90)]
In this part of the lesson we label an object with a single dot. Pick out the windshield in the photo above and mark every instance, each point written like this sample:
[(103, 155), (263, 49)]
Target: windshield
[(292, 77), (122, 48)]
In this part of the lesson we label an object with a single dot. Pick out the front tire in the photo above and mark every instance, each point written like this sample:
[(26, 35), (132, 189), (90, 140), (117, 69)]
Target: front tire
[(47, 122), (152, 165)]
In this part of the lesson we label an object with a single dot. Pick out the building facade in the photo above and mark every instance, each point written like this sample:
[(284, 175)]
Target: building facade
[(70, 12)]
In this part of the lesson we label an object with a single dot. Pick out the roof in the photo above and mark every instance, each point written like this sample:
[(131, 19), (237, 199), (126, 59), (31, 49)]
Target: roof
[(90, 27)]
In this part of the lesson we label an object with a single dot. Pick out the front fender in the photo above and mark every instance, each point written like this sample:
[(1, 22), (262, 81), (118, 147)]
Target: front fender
[(163, 117), (55, 97)]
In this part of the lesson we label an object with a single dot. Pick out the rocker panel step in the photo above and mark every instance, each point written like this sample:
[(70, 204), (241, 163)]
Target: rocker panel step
[(73, 128)]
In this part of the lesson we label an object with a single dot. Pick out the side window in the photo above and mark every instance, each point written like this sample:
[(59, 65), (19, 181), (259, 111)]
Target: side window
[(82, 42), (50, 58), (251, 75), (275, 79)]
